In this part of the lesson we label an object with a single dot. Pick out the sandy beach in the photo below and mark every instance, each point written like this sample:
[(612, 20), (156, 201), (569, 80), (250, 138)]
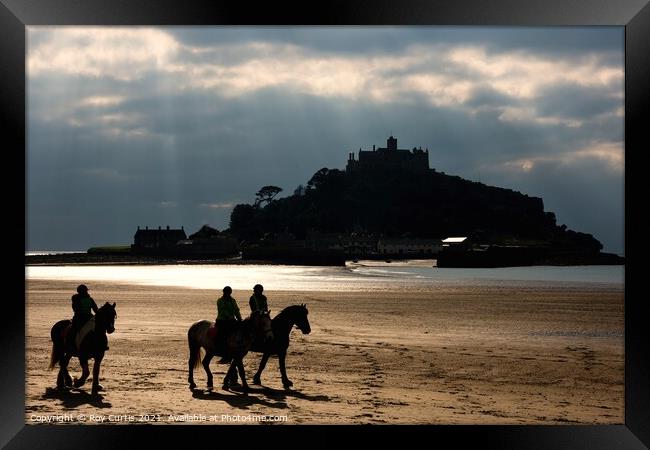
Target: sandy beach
[(450, 355)]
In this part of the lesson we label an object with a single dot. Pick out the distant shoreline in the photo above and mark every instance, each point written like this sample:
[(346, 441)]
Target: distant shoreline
[(80, 259)]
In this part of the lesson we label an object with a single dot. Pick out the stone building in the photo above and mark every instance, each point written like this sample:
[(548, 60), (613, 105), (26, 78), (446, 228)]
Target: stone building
[(389, 158), (153, 240)]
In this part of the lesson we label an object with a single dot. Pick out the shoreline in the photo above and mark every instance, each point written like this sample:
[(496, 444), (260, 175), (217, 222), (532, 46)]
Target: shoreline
[(364, 275), (81, 259)]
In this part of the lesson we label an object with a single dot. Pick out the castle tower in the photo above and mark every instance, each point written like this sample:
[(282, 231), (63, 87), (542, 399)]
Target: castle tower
[(391, 144), (389, 158)]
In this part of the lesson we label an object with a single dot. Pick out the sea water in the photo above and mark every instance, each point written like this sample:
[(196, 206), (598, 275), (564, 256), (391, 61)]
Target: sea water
[(359, 276)]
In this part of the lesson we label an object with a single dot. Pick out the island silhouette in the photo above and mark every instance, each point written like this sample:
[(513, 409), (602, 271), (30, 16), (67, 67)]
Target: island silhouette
[(386, 204)]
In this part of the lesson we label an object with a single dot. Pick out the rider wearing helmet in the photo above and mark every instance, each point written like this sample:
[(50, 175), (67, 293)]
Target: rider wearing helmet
[(227, 315), (83, 306), (258, 301)]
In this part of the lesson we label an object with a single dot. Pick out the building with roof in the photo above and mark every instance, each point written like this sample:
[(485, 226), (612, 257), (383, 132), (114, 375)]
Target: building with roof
[(456, 243), (157, 240), (453, 240), (389, 158), (421, 247)]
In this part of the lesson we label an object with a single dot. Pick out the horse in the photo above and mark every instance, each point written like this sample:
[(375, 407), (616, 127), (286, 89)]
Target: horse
[(281, 325), (238, 343), (93, 346)]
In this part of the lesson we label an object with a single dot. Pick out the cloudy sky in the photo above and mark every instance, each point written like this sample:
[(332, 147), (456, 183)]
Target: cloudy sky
[(133, 126)]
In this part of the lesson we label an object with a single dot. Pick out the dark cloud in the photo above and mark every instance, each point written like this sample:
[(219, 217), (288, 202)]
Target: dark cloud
[(576, 102), (490, 98), (539, 40)]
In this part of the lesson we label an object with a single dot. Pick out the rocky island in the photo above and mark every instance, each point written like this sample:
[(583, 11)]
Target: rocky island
[(387, 204)]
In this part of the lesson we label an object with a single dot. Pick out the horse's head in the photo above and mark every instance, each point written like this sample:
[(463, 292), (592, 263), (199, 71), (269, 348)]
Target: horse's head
[(262, 324), (106, 316), (301, 320)]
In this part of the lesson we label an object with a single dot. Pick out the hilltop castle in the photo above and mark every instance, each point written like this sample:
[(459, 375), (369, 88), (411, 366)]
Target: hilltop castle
[(388, 158)]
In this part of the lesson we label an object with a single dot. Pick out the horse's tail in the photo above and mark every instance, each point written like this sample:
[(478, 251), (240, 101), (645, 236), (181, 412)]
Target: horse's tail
[(53, 358), (195, 348), (56, 335), (197, 360)]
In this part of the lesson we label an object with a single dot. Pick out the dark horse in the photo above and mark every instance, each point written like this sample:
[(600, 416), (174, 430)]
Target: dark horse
[(282, 325), (93, 346), (238, 342)]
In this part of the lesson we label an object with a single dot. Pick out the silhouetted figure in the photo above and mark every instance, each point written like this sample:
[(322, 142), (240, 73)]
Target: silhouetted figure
[(258, 301), (227, 316), (83, 306)]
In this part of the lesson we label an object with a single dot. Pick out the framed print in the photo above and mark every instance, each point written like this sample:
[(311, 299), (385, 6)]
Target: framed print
[(437, 201)]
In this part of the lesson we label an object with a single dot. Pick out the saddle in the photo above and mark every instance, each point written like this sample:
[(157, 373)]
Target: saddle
[(218, 334), (81, 334)]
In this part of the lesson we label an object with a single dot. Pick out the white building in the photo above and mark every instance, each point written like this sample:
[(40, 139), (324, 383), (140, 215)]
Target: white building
[(453, 240), (409, 246), (456, 243)]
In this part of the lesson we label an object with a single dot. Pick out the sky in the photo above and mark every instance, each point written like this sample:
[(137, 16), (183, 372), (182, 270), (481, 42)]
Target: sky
[(134, 126)]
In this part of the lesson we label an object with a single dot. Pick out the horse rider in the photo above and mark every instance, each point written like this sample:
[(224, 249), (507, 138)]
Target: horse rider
[(227, 316), (83, 306), (258, 301)]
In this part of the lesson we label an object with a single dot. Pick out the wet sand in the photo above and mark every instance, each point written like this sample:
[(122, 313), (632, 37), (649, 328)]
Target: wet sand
[(461, 355)]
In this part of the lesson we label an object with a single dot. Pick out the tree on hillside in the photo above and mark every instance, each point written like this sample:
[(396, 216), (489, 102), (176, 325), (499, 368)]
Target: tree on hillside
[(244, 222), (206, 232), (266, 195), (318, 179)]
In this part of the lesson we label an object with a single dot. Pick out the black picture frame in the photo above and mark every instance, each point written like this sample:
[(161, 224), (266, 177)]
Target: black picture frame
[(634, 15)]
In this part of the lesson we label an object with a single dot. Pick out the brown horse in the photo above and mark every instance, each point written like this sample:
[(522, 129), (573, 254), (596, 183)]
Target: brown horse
[(238, 342), (93, 346)]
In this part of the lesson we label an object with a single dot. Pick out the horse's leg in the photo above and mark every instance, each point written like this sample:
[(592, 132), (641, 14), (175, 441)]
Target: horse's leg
[(58, 353), (63, 370), (66, 373), (190, 377), (84, 373), (195, 355), (232, 375), (286, 382), (226, 379), (206, 366), (96, 386), (242, 374), (258, 374)]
